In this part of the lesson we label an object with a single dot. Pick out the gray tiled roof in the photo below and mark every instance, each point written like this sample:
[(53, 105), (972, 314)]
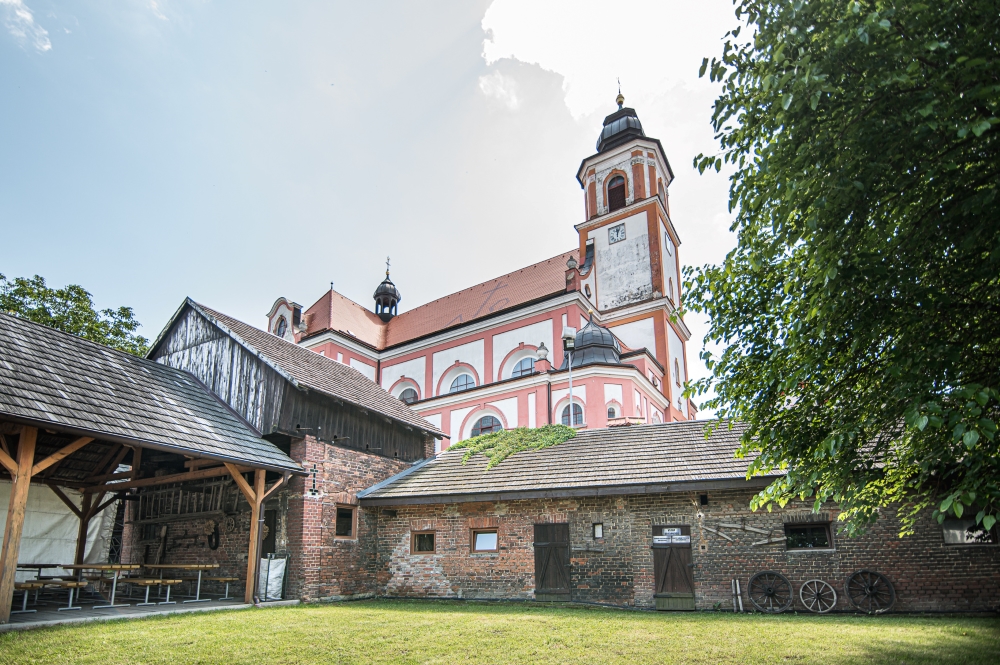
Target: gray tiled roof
[(311, 370), (617, 460), (51, 377)]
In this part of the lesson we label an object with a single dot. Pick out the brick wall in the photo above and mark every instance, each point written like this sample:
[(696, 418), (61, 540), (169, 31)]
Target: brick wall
[(324, 567), (618, 569)]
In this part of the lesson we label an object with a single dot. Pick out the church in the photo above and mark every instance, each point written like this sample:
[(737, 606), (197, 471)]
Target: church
[(492, 356)]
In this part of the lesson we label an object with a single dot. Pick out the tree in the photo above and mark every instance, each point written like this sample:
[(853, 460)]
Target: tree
[(71, 310), (860, 311)]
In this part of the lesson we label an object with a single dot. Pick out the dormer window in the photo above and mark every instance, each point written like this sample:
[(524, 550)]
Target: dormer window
[(616, 193), (281, 327)]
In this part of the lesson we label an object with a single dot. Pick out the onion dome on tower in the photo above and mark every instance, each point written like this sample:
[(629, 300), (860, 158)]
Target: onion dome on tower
[(594, 344), (386, 297), (620, 127)]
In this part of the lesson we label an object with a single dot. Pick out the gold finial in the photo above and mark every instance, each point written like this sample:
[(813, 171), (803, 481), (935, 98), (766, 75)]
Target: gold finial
[(590, 311), (621, 98)]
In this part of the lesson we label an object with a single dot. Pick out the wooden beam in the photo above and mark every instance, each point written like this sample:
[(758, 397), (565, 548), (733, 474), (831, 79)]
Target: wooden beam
[(65, 499), (159, 480), (253, 554), (98, 509), (3, 444), (110, 476), (81, 534), (60, 455), (136, 463), (8, 463), (15, 518), (276, 486), (105, 462), (242, 483)]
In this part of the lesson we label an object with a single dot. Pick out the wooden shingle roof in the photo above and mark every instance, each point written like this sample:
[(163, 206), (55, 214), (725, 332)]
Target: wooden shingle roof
[(618, 460), (308, 369), (52, 379)]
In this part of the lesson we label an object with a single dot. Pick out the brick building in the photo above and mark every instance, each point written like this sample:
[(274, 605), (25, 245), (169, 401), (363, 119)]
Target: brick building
[(344, 431), (589, 520)]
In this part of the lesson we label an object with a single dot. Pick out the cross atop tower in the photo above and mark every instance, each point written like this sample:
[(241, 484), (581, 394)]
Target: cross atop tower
[(387, 266)]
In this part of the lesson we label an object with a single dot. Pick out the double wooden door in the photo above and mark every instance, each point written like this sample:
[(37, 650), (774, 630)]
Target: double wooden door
[(552, 578), (673, 567)]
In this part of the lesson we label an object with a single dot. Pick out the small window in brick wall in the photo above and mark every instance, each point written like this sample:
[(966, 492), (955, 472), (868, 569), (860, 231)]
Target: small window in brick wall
[(967, 532), (485, 540), (807, 536), (422, 543), (347, 525), (598, 531)]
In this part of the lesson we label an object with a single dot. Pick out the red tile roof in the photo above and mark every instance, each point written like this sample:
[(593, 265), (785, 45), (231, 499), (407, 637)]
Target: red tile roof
[(335, 312)]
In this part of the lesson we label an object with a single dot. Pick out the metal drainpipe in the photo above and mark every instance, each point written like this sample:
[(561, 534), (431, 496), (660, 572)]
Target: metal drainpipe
[(570, 388), (548, 398)]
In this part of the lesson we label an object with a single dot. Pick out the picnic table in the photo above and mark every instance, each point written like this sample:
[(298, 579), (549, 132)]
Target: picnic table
[(116, 570), (200, 567), (38, 568)]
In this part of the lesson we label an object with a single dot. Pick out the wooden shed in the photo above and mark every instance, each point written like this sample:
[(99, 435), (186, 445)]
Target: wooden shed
[(72, 411)]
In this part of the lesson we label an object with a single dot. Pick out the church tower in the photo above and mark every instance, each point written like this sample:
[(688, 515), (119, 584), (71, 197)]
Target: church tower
[(631, 271), (386, 297)]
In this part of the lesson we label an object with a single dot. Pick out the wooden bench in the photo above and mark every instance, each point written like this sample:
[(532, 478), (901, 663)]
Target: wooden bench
[(151, 582), (27, 588), (227, 581)]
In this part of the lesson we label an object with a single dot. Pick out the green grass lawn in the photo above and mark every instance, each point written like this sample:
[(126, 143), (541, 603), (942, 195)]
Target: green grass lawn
[(465, 633)]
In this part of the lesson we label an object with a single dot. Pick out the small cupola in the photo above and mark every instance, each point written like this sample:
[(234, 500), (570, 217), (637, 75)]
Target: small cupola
[(386, 297), (594, 344)]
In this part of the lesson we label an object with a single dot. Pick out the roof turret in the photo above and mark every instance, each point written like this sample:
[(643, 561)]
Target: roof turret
[(619, 127), (594, 344)]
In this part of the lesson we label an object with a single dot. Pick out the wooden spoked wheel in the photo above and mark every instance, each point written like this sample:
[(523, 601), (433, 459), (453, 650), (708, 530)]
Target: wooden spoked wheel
[(770, 592), (870, 592), (818, 596)]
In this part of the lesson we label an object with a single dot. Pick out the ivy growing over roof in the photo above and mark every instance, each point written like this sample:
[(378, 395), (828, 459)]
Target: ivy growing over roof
[(498, 446)]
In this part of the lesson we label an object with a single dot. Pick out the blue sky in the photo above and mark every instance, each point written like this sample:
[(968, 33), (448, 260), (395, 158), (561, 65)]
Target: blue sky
[(238, 152)]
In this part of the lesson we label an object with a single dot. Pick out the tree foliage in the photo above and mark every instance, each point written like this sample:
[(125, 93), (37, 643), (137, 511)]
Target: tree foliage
[(498, 446), (860, 311), (71, 310)]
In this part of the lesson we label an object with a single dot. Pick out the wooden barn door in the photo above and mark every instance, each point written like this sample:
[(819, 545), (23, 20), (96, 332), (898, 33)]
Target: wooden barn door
[(673, 568), (552, 562)]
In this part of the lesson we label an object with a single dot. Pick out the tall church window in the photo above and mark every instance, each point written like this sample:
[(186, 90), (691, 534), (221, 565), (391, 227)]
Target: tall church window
[(616, 193), (486, 425), (408, 396), (677, 372), (462, 382), (523, 368), (577, 415)]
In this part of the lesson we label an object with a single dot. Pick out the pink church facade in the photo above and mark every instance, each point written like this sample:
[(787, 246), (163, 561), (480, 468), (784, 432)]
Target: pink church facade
[(492, 355)]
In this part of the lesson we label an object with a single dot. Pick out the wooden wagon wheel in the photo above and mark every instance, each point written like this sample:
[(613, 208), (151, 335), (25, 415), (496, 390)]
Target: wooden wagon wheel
[(818, 596), (870, 591), (770, 592)]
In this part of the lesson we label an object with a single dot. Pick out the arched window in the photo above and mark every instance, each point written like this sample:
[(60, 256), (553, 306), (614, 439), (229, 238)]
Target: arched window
[(462, 382), (523, 368), (281, 327), (612, 412), (577, 414), (408, 396), (677, 372), (486, 425), (616, 193), (670, 289)]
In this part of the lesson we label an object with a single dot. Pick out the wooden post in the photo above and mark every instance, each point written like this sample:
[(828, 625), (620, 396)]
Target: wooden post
[(253, 553), (91, 506), (15, 519)]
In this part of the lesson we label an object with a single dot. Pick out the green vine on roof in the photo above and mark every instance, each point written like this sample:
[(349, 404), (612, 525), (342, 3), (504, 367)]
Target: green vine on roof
[(498, 446)]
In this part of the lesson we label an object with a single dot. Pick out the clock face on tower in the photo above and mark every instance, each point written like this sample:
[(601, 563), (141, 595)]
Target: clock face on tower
[(616, 234)]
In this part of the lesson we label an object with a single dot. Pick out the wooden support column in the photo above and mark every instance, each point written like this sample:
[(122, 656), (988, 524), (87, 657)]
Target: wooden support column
[(15, 518), (91, 506), (255, 497)]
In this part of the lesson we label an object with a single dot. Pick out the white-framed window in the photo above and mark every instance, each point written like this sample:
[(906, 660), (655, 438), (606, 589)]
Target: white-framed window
[(462, 382), (486, 425), (577, 415), (524, 367), (612, 411)]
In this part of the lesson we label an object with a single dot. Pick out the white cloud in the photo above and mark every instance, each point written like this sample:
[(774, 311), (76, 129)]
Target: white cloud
[(650, 44), (501, 87), (155, 6), (21, 24)]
